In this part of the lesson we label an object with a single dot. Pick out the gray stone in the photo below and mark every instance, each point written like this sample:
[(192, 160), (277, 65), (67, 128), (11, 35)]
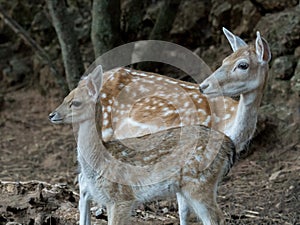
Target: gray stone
[(276, 5), (283, 67), (295, 81), (282, 30), (17, 70)]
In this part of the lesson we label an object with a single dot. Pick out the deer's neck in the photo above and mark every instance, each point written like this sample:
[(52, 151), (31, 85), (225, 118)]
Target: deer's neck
[(245, 122), (89, 144)]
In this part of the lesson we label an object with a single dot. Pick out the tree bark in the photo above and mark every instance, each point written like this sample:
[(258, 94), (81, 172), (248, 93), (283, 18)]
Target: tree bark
[(64, 28), (164, 22), (105, 32), (134, 13)]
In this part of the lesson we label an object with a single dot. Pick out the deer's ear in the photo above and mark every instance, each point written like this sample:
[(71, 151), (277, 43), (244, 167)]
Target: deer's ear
[(262, 49), (234, 41), (97, 76), (94, 82)]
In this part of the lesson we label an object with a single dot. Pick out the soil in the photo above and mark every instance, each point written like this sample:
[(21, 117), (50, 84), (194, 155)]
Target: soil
[(38, 171)]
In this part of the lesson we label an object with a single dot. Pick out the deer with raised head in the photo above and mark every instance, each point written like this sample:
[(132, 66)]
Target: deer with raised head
[(243, 73), (189, 160)]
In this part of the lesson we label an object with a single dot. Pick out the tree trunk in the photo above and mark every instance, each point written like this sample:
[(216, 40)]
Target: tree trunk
[(164, 22), (133, 18), (64, 28), (105, 32)]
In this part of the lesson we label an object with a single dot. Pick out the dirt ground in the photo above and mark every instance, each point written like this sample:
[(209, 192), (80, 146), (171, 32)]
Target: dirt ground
[(38, 174)]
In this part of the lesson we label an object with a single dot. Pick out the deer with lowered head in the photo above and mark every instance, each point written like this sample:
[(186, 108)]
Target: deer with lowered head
[(195, 187)]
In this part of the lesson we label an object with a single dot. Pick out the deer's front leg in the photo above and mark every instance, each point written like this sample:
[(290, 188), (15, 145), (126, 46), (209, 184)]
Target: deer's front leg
[(84, 203), (183, 209)]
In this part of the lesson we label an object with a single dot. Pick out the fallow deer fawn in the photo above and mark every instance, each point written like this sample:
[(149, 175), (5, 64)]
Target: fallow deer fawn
[(103, 164), (136, 103), (242, 73)]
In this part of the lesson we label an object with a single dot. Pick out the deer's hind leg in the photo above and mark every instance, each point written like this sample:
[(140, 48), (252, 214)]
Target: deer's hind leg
[(119, 213), (203, 202)]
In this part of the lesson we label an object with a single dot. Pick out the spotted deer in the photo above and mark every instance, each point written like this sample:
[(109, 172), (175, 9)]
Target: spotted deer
[(189, 160), (136, 103), (243, 73)]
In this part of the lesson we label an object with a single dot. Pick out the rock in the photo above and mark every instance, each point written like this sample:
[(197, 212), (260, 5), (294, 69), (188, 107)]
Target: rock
[(40, 22), (282, 30), (283, 67), (6, 51), (278, 5), (219, 12), (17, 70), (244, 16), (295, 81), (239, 17), (188, 14)]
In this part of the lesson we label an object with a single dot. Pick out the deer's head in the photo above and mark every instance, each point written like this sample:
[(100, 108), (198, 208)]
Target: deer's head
[(245, 70), (79, 105)]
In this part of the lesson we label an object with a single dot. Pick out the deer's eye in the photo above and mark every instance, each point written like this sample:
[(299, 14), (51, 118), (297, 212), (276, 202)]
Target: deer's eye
[(243, 65), (75, 103)]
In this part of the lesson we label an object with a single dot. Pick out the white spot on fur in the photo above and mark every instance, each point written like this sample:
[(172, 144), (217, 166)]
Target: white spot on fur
[(206, 122), (107, 133), (121, 85), (103, 95), (171, 81), (108, 109), (202, 111), (227, 116), (167, 113), (199, 100), (216, 118), (105, 122), (143, 88), (105, 115)]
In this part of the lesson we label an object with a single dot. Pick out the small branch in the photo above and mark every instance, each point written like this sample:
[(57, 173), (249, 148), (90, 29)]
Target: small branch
[(39, 50)]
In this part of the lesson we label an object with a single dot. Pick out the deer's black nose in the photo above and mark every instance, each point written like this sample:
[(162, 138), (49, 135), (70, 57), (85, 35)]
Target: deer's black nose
[(202, 87), (52, 115)]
